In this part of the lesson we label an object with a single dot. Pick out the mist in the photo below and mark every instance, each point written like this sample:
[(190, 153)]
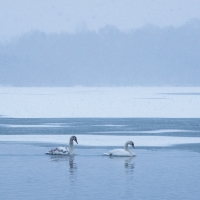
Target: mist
[(149, 56)]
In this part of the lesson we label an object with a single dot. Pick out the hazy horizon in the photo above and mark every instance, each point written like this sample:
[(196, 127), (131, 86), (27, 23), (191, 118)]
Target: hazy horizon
[(99, 44), (150, 56), (49, 16)]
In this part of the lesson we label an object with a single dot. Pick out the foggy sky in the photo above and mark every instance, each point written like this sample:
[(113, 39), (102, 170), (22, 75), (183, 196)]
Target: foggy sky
[(150, 56), (49, 16), (100, 43)]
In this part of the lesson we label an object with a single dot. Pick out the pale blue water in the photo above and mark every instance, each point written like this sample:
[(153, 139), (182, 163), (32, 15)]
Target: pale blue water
[(155, 173)]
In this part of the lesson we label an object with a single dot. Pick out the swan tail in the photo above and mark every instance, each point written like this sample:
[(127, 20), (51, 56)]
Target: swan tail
[(107, 154), (48, 152)]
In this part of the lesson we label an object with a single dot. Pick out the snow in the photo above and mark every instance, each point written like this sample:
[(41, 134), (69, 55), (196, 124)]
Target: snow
[(106, 140), (71, 102)]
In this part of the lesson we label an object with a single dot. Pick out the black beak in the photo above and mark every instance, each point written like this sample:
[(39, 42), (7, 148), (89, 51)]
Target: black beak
[(76, 141), (133, 146)]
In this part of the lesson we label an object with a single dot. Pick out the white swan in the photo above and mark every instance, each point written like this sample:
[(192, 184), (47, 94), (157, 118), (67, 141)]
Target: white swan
[(122, 152), (64, 150)]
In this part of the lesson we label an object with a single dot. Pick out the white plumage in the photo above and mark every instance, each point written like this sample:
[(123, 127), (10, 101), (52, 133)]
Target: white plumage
[(64, 150), (122, 152)]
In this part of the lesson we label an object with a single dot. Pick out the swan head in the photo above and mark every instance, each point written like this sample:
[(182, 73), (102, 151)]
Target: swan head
[(74, 138), (132, 144)]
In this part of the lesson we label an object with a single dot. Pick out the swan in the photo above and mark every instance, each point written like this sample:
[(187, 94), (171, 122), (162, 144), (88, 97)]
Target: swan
[(64, 150), (122, 152)]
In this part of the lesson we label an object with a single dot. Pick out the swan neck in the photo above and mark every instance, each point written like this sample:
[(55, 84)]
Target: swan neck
[(126, 146), (71, 146)]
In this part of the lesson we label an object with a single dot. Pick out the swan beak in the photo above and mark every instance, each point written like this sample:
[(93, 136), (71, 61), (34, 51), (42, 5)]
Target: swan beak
[(133, 146), (76, 141)]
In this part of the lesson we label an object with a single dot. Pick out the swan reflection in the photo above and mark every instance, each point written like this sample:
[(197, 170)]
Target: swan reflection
[(59, 158), (72, 165), (70, 159), (129, 163)]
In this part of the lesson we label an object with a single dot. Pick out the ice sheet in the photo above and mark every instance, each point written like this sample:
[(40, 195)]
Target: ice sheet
[(150, 132), (164, 102), (98, 140)]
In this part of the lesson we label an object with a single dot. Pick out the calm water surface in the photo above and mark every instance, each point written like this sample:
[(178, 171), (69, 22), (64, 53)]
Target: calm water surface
[(155, 173)]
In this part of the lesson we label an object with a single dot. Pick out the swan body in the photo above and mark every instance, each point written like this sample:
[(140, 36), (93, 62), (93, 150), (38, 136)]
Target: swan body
[(64, 150), (122, 152)]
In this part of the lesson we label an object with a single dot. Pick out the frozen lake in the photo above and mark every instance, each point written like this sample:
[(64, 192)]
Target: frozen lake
[(27, 173), (166, 165), (160, 102), (164, 124)]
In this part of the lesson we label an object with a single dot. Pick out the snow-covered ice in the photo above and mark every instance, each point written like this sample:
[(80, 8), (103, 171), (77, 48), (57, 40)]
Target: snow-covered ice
[(61, 102), (106, 140)]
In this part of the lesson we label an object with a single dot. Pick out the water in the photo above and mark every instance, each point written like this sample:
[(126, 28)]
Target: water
[(157, 172)]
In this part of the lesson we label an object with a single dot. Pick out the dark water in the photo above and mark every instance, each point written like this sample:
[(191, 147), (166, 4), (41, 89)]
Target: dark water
[(107, 126), (155, 173)]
